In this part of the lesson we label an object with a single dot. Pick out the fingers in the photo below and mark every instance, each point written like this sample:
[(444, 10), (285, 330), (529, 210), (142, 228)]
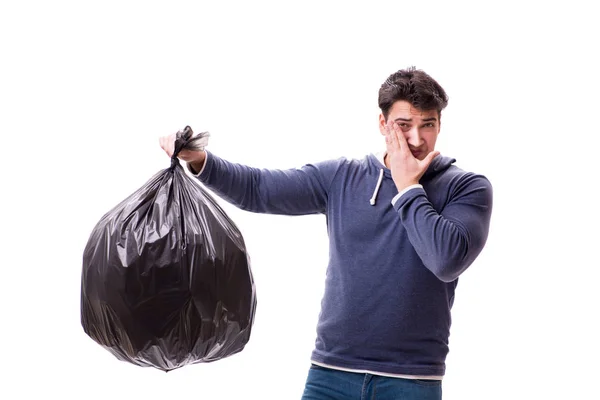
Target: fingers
[(388, 140), (162, 143), (395, 139), (167, 143), (391, 143), (399, 136), (391, 138)]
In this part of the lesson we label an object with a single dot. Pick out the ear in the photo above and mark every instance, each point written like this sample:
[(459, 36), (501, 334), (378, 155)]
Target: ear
[(382, 123)]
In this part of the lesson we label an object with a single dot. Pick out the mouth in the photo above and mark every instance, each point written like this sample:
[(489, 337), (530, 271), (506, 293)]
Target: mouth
[(416, 153)]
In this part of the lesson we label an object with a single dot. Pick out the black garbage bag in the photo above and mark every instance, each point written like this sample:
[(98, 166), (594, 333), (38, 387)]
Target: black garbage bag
[(166, 278)]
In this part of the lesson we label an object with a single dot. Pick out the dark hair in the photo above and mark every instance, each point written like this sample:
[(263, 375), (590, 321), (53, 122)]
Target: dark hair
[(414, 86)]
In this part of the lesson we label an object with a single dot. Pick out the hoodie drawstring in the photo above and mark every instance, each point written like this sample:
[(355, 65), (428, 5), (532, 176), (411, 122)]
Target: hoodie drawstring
[(377, 187)]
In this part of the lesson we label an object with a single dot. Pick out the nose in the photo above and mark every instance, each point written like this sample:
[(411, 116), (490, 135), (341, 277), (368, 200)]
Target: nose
[(413, 137)]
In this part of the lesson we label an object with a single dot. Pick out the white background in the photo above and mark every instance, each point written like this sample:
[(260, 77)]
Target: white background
[(86, 89)]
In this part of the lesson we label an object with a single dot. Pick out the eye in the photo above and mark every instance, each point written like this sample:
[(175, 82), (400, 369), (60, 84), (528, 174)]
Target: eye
[(429, 125)]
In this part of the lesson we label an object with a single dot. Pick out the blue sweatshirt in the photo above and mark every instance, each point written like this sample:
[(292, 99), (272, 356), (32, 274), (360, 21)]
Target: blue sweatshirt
[(393, 268)]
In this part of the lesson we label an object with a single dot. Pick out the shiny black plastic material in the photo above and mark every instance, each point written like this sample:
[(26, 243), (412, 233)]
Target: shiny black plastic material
[(166, 279)]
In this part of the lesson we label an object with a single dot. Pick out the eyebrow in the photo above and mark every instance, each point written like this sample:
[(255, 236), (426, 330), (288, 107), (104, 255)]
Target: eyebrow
[(410, 119)]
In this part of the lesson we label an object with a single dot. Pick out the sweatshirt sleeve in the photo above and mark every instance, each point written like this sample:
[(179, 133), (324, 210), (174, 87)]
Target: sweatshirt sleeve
[(450, 241), (297, 191)]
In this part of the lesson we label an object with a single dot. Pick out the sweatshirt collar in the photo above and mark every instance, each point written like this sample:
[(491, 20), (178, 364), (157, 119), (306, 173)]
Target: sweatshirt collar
[(381, 158)]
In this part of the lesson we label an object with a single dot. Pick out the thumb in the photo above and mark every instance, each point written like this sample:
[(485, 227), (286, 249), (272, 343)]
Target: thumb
[(429, 158)]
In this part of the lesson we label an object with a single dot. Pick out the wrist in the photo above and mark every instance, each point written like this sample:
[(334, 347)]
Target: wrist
[(197, 165), (401, 186)]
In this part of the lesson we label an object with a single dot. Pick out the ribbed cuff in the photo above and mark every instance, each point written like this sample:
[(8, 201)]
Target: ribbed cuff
[(406, 189)]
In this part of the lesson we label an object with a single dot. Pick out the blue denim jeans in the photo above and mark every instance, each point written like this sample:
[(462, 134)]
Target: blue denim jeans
[(329, 384)]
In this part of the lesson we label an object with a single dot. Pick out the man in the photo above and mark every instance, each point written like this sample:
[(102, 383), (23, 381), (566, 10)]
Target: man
[(403, 226)]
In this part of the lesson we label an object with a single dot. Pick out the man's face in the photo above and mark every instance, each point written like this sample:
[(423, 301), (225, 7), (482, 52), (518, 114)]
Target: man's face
[(420, 128)]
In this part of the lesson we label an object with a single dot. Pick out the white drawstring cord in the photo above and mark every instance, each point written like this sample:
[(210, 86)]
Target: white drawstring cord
[(377, 187)]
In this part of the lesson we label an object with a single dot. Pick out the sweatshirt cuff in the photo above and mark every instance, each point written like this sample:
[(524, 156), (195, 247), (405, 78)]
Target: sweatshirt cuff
[(406, 189), (197, 175)]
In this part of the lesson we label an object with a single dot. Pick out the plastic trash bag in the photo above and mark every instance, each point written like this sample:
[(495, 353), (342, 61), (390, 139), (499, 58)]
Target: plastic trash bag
[(166, 279)]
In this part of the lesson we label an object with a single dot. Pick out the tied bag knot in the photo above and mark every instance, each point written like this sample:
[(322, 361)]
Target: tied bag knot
[(185, 140)]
